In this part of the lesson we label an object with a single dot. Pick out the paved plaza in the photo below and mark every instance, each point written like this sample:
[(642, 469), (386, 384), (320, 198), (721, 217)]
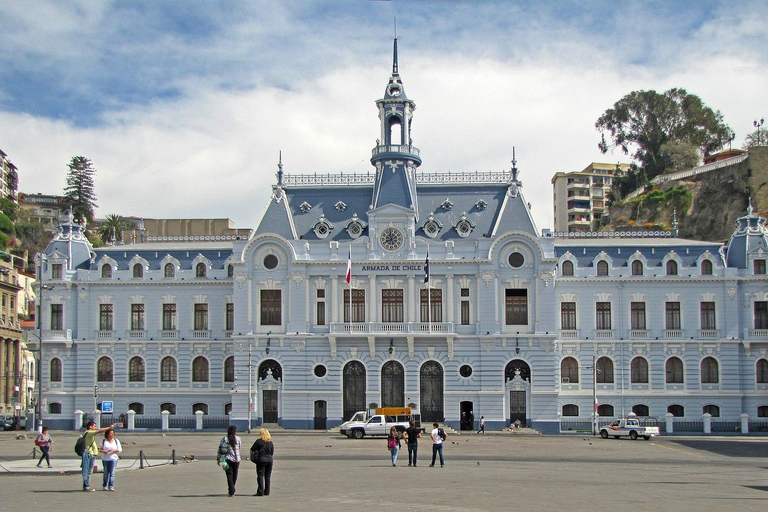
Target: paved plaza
[(324, 471)]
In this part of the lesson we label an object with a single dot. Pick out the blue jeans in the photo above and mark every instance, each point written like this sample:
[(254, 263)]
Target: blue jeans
[(394, 452), (109, 473), (437, 448), (87, 465), (413, 451)]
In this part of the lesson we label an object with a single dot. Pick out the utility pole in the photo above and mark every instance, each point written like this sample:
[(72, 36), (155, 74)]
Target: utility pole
[(250, 392)]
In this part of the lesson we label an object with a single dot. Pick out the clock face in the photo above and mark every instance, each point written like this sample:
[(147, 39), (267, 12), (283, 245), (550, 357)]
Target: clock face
[(391, 239)]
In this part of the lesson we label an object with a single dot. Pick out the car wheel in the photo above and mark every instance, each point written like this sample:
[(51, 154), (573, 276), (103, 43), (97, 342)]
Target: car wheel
[(358, 434), (633, 435), (604, 434)]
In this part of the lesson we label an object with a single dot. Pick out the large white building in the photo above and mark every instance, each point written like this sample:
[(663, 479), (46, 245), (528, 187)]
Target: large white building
[(510, 324)]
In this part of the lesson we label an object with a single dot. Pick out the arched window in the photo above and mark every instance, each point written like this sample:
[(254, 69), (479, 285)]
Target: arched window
[(762, 411), (228, 408), (761, 369), (200, 407), (54, 408), (106, 271), (640, 410), (569, 370), (200, 270), (674, 370), (706, 268), (56, 370), (678, 411), (170, 270), (605, 410), (167, 406), (138, 270), (570, 410), (136, 407), (395, 131), (230, 270), (104, 369), (136, 370), (604, 367), (229, 369), (567, 268), (602, 268), (200, 369), (639, 370), (671, 268), (709, 371), (637, 268), (168, 369), (712, 410)]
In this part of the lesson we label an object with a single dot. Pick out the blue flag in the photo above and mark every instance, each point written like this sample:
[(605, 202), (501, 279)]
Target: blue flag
[(426, 267)]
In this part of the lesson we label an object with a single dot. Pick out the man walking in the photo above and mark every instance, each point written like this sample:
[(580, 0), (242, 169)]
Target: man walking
[(438, 436), (482, 425), (413, 442), (90, 453)]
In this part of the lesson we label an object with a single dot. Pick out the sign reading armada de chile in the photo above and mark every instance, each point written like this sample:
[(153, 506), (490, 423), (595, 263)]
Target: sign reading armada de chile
[(392, 268)]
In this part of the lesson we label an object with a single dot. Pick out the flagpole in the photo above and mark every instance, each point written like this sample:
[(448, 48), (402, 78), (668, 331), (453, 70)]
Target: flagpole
[(349, 286), (429, 291)]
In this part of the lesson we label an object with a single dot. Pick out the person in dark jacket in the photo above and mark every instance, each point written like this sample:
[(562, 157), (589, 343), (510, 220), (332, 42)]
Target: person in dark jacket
[(263, 450)]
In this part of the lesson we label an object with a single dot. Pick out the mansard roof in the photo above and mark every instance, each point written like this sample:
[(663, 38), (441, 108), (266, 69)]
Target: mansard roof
[(621, 250), (215, 252)]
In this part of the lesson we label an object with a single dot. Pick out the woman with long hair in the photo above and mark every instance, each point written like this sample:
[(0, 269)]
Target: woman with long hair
[(262, 452), (393, 443), (229, 457)]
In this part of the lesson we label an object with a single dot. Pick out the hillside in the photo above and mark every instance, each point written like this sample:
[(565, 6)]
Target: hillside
[(706, 204)]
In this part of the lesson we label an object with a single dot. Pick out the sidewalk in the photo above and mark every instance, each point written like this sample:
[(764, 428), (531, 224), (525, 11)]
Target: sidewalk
[(72, 466)]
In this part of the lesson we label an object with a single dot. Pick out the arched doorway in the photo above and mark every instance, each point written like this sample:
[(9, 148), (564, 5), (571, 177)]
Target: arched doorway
[(431, 381), (353, 388), (270, 372), (517, 378), (392, 384)]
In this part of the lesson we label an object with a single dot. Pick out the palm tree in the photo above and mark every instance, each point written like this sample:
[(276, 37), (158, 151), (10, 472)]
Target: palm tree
[(113, 228)]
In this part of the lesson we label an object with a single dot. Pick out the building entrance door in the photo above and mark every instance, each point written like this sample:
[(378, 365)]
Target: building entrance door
[(517, 407), (392, 385), (431, 381), (270, 406), (321, 416), (354, 389)]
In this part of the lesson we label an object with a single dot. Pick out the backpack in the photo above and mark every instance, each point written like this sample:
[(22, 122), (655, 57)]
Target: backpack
[(441, 433), (80, 445), (392, 443)]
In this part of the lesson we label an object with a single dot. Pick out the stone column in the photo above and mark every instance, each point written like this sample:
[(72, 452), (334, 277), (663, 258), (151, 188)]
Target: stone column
[(199, 420), (164, 416), (744, 423), (670, 419), (131, 421), (3, 370), (97, 418), (707, 418), (78, 419)]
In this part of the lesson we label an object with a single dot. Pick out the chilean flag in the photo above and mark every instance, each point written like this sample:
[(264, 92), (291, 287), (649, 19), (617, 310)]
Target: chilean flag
[(426, 268), (597, 405), (349, 265)]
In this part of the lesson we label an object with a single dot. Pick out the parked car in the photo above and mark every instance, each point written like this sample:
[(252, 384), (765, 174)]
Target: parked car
[(629, 427), (10, 420)]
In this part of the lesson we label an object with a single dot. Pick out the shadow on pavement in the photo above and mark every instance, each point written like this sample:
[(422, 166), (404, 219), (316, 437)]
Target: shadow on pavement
[(721, 447)]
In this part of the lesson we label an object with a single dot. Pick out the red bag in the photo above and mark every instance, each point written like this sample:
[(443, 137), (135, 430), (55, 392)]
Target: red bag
[(37, 441)]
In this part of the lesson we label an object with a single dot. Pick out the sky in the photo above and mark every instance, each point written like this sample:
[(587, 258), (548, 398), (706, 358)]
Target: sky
[(184, 107)]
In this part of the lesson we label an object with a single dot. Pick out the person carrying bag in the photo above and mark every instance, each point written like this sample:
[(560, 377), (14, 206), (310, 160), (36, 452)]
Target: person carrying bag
[(262, 453)]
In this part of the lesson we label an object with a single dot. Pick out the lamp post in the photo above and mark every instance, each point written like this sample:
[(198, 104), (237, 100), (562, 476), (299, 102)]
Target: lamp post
[(40, 259), (758, 125)]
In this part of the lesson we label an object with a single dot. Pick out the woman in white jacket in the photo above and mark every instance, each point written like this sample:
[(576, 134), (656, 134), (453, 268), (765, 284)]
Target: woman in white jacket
[(110, 449)]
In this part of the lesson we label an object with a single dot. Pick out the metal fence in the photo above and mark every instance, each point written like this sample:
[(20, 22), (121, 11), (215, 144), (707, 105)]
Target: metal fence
[(688, 426), (758, 426), (726, 426)]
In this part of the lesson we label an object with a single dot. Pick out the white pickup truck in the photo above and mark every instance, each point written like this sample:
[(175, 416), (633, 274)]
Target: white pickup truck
[(628, 427), (378, 425)]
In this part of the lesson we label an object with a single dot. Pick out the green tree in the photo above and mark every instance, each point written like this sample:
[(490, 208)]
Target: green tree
[(115, 225), (32, 238), (647, 120), (79, 192), (9, 208)]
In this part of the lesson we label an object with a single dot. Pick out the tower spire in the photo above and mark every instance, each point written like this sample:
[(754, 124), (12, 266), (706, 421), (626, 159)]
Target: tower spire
[(514, 165), (394, 60), (280, 168)]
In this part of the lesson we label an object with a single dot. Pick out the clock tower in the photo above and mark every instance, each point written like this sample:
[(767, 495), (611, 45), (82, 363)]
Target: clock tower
[(394, 156)]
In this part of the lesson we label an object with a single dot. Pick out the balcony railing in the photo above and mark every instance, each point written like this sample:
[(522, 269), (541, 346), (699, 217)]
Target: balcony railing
[(105, 335), (201, 333), (137, 335), (57, 335), (393, 327), (396, 148), (673, 333), (757, 333), (171, 334), (638, 334), (569, 333), (604, 333), (708, 333)]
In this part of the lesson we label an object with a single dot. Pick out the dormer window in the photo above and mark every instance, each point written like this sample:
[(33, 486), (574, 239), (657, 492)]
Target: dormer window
[(759, 267), (138, 270), (169, 270), (706, 268), (106, 271), (481, 205), (567, 268), (671, 268), (447, 205), (637, 268), (200, 270), (355, 227), (56, 270), (431, 227), (341, 206), (305, 207), (602, 268), (322, 228), (464, 227), (230, 270)]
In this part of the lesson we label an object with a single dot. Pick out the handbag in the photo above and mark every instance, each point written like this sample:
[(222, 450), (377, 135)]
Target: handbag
[(254, 457)]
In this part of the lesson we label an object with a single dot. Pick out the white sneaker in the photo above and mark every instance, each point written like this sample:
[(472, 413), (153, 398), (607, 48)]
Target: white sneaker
[(105, 488)]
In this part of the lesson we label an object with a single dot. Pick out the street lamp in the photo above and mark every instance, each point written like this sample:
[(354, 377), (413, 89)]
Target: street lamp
[(40, 258), (758, 125)]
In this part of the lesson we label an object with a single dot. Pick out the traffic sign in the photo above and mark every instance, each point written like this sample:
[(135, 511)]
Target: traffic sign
[(106, 407)]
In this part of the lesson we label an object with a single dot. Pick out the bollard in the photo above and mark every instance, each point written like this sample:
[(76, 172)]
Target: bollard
[(173, 457), (141, 459)]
